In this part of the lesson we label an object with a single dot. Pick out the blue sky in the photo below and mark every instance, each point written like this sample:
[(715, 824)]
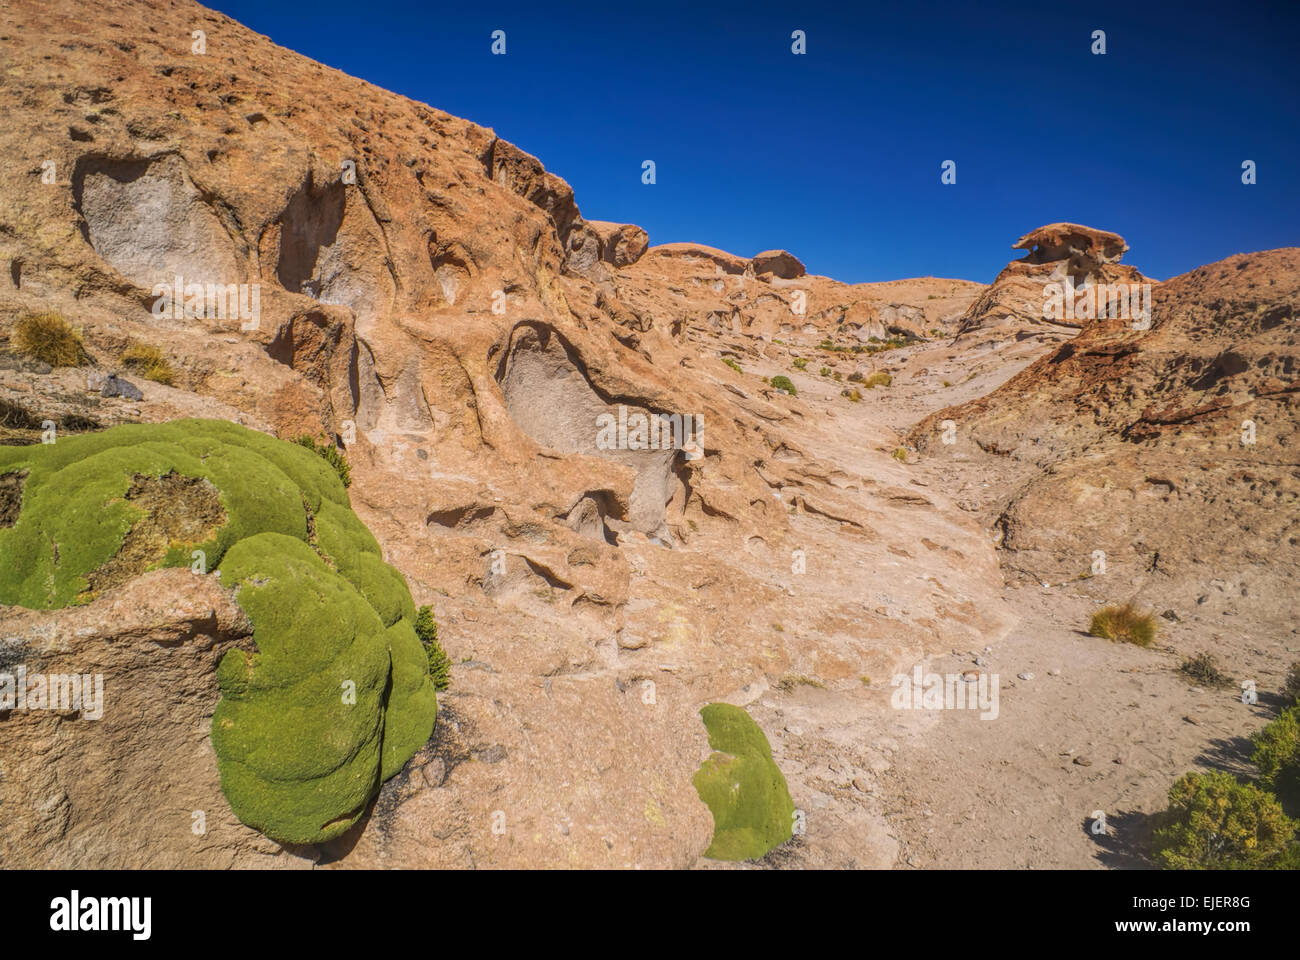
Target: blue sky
[(835, 155)]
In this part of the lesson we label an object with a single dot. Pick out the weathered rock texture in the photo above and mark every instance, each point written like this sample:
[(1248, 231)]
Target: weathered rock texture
[(1174, 450), (431, 296), (1012, 308)]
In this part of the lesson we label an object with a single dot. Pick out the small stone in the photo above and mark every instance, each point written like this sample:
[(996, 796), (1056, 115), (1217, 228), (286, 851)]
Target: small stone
[(1054, 672), (794, 731), (981, 662), (1192, 720), (493, 754), (434, 772), (861, 785), (1083, 761), (422, 453), (1025, 676)]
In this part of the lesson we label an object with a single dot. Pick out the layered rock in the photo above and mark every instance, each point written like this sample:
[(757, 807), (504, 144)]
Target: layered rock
[(1171, 450), (1028, 299)]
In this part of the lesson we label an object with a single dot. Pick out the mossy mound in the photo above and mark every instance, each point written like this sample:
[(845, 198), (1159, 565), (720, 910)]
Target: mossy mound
[(744, 788), (337, 696)]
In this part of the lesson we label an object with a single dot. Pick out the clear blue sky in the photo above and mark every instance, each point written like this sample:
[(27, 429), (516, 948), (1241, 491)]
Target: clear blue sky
[(835, 155)]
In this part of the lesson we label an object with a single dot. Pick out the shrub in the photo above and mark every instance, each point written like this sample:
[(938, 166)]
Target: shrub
[(51, 339), (900, 454), (1125, 623), (330, 454), (1277, 754), (1216, 823), (854, 395), (825, 371), (1204, 669), (877, 380), (732, 364), (743, 787), (781, 382), (336, 696), (148, 362), (426, 629), (801, 363), (1291, 687)]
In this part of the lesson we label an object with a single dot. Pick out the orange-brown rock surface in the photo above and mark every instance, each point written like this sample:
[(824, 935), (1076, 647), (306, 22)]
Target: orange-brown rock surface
[(431, 298)]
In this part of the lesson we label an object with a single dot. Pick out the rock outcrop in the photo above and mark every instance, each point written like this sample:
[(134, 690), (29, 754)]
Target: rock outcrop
[(1171, 450), (1033, 298)]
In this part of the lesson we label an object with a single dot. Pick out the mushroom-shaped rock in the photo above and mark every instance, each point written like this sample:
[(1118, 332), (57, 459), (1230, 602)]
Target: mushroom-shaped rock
[(779, 263), (1063, 241)]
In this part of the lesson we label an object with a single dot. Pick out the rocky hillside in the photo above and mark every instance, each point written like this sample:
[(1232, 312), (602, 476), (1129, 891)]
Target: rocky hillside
[(242, 234)]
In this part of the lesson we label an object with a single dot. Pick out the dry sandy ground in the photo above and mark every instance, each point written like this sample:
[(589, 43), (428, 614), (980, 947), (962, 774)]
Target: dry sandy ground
[(1094, 726)]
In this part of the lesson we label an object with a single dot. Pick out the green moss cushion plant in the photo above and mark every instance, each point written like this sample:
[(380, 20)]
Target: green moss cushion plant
[(744, 789), (337, 695)]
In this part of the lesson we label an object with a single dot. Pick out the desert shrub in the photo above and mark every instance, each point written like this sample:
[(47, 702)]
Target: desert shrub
[(50, 338), (1204, 669), (800, 363), (900, 454), (426, 628), (304, 733), (743, 787), (1291, 686), (149, 362), (781, 382), (877, 380), (855, 377), (854, 395), (330, 454), (825, 371), (1277, 754), (1215, 822), (1124, 623), (732, 364)]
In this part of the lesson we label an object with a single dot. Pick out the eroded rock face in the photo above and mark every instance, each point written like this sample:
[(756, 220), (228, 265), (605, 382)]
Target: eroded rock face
[(1062, 256), (425, 299), (1171, 450), (136, 787)]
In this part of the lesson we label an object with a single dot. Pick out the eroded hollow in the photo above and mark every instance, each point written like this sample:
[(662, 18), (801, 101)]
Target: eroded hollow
[(149, 222), (549, 395), (178, 510)]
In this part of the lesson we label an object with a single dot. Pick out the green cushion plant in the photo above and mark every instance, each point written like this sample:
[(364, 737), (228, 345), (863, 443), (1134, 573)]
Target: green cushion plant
[(337, 696)]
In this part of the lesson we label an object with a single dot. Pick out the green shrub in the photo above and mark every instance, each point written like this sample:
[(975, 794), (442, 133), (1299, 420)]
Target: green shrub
[(1277, 754), (304, 733), (825, 371), (878, 380), (781, 382), (1125, 623), (426, 628), (800, 363), (50, 338), (900, 454), (331, 455), (1291, 687), (732, 364), (149, 362), (854, 395), (1216, 823), (743, 787)]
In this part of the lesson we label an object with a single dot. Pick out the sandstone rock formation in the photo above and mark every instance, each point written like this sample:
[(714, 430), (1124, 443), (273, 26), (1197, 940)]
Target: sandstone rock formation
[(428, 296), (1013, 307), (1172, 450)]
